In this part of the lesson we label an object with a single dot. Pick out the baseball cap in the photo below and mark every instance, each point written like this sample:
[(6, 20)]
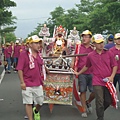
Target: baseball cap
[(8, 44), (97, 38), (86, 32), (117, 35), (28, 40), (111, 37), (17, 41), (34, 38)]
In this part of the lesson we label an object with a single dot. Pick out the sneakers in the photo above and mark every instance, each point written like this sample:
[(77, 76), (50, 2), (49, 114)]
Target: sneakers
[(89, 107), (25, 117), (36, 115), (89, 110), (15, 71), (84, 115)]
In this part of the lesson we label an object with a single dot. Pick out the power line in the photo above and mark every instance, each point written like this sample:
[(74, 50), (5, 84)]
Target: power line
[(28, 18), (31, 18)]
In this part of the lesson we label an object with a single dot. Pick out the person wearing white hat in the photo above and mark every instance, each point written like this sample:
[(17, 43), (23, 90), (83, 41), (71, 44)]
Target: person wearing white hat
[(104, 66), (85, 79), (116, 51), (17, 41), (31, 74)]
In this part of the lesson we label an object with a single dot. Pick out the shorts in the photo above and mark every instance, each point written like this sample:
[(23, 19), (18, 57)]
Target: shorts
[(84, 81), (33, 94)]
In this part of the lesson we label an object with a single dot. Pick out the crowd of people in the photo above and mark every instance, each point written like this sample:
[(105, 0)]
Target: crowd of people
[(11, 52), (102, 62)]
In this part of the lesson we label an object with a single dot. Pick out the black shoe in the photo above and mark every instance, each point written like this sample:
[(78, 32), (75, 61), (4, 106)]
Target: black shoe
[(9, 72)]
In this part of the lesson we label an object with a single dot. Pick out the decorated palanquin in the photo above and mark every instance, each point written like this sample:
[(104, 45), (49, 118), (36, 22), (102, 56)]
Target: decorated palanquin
[(59, 85), (58, 88)]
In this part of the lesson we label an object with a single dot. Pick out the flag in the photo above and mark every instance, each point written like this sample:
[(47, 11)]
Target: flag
[(113, 93)]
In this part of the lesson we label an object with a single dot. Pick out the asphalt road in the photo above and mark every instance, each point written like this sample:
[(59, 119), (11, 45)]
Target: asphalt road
[(11, 108)]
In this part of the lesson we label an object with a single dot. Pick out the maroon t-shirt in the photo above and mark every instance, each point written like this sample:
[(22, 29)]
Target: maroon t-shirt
[(102, 65), (82, 59), (32, 77), (115, 52), (17, 51), (7, 52)]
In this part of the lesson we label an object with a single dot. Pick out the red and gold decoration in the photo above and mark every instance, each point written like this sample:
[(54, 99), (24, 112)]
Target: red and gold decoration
[(60, 34), (58, 88)]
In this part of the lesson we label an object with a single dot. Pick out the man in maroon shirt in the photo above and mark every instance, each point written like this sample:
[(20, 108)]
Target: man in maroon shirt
[(116, 51), (12, 49), (16, 54), (30, 73), (7, 53), (85, 79)]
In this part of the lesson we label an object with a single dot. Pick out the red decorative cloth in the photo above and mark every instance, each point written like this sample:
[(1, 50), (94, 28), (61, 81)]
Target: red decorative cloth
[(76, 58), (113, 93), (32, 65)]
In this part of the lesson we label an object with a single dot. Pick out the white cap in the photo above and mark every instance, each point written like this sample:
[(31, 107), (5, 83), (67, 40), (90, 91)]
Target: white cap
[(17, 41), (98, 38), (34, 38), (117, 35)]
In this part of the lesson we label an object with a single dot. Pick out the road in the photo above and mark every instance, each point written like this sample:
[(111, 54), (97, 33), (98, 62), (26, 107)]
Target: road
[(11, 108)]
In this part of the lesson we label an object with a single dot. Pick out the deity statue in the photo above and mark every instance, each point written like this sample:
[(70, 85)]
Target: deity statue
[(73, 38), (44, 31), (74, 34)]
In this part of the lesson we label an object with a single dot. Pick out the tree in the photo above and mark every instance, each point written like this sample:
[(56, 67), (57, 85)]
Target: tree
[(6, 17), (10, 37), (59, 11), (113, 10), (61, 17), (55, 19), (104, 17), (99, 16), (36, 31), (69, 19)]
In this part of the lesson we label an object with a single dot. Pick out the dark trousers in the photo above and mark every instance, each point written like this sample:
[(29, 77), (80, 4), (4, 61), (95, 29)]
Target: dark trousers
[(117, 80), (102, 100), (12, 60)]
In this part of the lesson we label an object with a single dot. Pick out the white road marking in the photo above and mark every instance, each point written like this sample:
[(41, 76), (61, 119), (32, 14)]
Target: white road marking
[(2, 76)]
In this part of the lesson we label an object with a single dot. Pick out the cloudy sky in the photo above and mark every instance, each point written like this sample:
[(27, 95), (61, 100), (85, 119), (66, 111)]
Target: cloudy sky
[(31, 12)]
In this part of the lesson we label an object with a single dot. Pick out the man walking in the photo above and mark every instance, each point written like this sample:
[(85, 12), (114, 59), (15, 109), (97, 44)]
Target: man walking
[(30, 74), (85, 79)]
